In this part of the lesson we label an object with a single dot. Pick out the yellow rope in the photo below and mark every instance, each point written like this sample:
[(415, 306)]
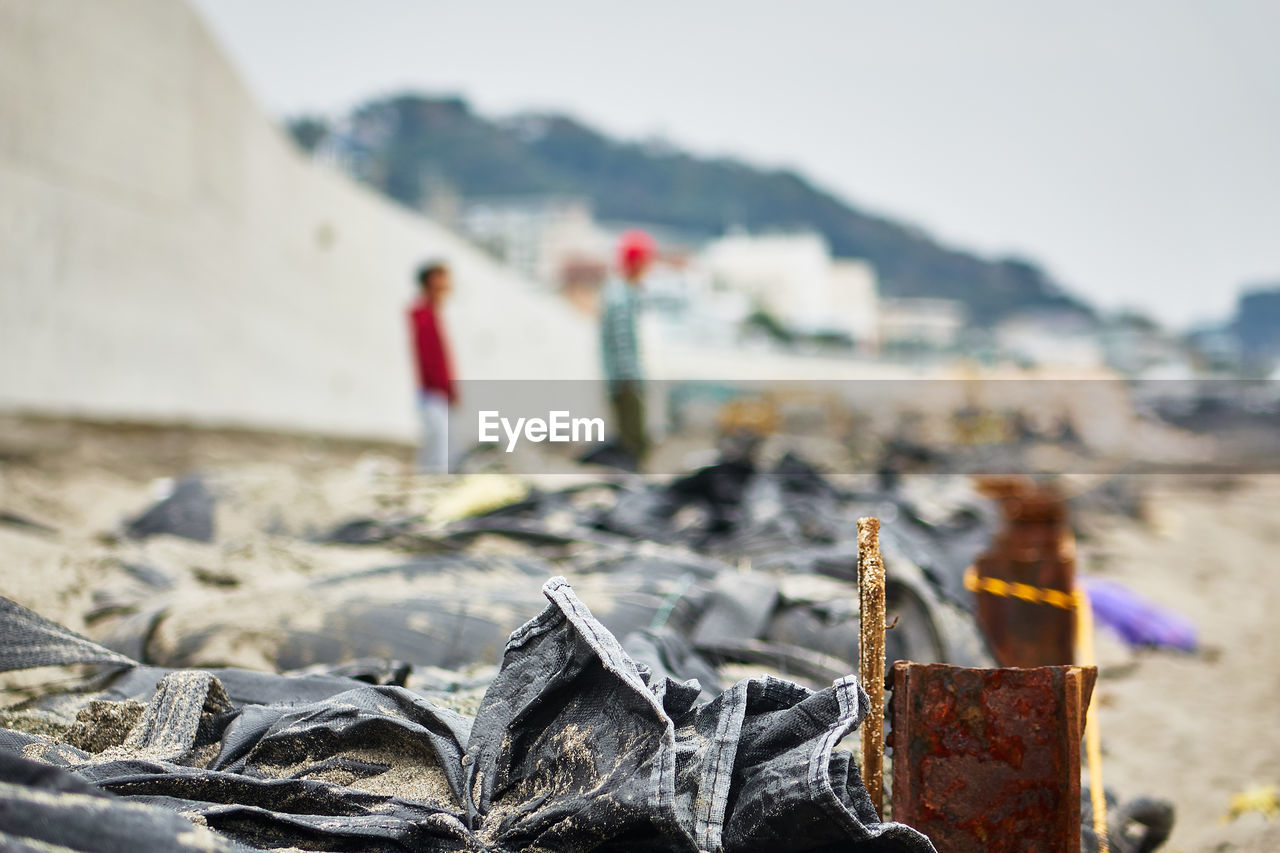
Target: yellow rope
[(1092, 737), (1012, 589)]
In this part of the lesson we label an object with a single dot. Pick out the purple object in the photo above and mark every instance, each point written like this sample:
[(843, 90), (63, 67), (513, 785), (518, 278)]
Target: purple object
[(1138, 622)]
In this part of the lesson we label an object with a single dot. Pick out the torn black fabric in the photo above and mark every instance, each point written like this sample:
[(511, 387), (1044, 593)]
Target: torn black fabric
[(28, 640), (44, 808), (571, 750), (575, 747)]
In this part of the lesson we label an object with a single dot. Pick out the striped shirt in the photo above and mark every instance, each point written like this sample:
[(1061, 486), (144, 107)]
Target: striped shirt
[(619, 339)]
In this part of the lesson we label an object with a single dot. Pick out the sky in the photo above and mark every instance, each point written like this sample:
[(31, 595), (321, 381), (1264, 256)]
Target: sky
[(1132, 147)]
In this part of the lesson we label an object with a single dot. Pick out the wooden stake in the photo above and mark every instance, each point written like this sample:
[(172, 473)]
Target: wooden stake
[(871, 656)]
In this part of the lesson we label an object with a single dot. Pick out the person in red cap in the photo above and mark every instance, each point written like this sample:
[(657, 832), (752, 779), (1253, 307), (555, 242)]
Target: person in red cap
[(436, 391), (620, 342)]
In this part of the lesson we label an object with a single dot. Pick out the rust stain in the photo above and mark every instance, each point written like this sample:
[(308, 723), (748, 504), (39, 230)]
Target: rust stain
[(988, 760)]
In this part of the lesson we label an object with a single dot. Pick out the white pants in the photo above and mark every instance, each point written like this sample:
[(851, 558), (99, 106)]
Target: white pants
[(433, 450)]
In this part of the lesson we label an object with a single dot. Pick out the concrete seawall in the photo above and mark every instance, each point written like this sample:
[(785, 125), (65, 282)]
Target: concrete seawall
[(166, 253)]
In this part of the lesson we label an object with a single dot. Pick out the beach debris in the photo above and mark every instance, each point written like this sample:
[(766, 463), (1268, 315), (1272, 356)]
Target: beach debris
[(186, 511), (1140, 825), (23, 522), (1261, 799), (478, 493), (28, 640), (785, 521), (573, 747), (48, 808), (1139, 622), (368, 531)]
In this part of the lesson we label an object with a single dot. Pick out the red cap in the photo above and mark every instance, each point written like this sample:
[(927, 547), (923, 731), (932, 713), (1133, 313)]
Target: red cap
[(635, 249)]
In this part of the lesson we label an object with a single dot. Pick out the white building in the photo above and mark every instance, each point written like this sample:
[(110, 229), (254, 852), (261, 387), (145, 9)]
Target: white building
[(855, 301), (920, 323), (1051, 339), (688, 305), (1136, 348), (787, 275), (794, 278), (537, 236)]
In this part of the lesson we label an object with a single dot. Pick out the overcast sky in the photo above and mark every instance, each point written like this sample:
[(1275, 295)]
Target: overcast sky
[(1133, 148)]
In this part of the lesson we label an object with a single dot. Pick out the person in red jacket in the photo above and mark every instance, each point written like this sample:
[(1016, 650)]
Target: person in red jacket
[(436, 391)]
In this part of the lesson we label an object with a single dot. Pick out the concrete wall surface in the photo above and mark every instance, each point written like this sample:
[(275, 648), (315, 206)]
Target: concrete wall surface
[(166, 253)]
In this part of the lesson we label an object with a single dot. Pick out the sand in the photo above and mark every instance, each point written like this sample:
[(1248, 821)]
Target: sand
[(1197, 728)]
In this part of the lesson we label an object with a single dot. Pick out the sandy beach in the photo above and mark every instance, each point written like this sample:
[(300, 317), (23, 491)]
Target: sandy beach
[(1191, 728)]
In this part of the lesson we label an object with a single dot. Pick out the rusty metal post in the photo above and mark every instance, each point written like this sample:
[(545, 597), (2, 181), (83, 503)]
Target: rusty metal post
[(871, 656), (1034, 551), (988, 760)]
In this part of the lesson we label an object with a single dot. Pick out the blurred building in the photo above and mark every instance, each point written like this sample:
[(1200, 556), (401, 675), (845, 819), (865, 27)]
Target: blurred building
[(542, 237), (1135, 346), (919, 324), (855, 305), (786, 275), (794, 282), (1215, 348), (1051, 338), (687, 305), (1257, 327)]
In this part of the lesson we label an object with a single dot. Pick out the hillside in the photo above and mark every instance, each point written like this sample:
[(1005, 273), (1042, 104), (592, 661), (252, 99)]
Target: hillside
[(404, 145)]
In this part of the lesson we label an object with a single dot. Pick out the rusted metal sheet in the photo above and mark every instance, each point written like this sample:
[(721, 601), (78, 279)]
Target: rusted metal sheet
[(1036, 549), (988, 760)]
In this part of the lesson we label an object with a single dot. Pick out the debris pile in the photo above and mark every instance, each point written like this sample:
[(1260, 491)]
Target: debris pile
[(728, 565), (574, 746), (434, 701)]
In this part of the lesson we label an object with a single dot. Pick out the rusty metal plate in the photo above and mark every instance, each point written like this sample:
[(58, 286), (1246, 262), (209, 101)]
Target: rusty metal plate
[(988, 760)]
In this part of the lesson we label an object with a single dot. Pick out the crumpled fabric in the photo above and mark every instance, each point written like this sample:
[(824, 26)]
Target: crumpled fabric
[(575, 747), (45, 809)]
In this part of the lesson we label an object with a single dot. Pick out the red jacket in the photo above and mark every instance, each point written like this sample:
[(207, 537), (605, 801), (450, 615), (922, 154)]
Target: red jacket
[(431, 352)]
